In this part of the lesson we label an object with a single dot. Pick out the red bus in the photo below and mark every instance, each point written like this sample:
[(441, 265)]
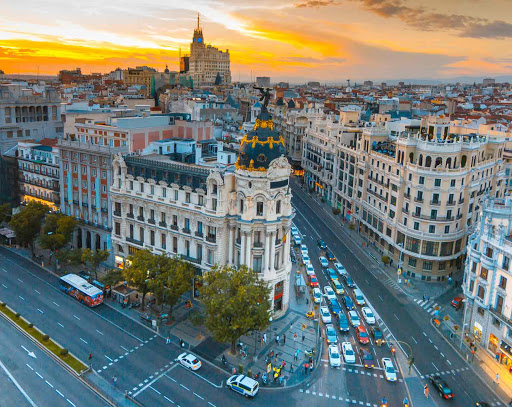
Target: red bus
[(77, 287)]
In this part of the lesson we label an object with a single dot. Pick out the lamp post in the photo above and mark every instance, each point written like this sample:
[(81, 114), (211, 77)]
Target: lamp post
[(399, 271), (465, 302), (270, 329)]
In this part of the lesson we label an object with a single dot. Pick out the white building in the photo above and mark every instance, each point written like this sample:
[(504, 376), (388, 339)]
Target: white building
[(488, 312), (189, 204)]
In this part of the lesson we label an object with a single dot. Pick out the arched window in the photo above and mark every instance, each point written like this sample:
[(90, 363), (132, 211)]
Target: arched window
[(448, 162), (428, 161), (455, 162), (463, 161), (411, 158), (420, 161), (439, 162)]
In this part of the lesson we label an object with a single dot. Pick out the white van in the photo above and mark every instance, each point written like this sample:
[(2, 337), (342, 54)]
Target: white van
[(358, 297), (317, 295), (243, 385), (297, 240)]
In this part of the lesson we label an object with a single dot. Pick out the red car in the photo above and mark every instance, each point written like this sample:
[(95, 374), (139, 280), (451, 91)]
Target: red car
[(362, 335), (313, 281), (456, 303)]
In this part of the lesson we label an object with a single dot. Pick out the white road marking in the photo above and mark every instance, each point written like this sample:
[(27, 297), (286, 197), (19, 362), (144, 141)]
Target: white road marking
[(70, 402), (3, 285), (213, 405), (76, 317), (17, 385), (450, 363), (155, 390), (21, 297), (442, 354), (396, 317), (169, 377), (30, 367), (39, 375), (185, 387), (60, 394), (430, 340), (101, 333), (59, 324), (127, 350), (424, 334), (201, 377), (40, 311), (169, 400), (5, 271), (21, 281), (152, 381), (49, 384), (37, 291), (381, 298), (416, 342), (108, 358), (436, 347), (435, 366), (197, 395), (83, 341), (56, 304)]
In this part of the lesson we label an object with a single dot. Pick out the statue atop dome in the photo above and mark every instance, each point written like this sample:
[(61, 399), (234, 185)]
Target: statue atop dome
[(265, 95)]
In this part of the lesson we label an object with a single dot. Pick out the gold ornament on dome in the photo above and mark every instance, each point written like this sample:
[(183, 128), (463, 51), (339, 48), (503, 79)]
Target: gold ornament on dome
[(250, 168), (254, 140), (264, 124)]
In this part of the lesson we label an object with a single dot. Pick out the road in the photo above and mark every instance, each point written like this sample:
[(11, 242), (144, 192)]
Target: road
[(36, 380), (405, 319)]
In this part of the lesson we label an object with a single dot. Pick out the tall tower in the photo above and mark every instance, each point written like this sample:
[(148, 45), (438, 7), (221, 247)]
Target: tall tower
[(197, 39)]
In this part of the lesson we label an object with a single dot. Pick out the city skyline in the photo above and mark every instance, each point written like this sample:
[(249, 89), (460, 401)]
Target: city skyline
[(320, 39)]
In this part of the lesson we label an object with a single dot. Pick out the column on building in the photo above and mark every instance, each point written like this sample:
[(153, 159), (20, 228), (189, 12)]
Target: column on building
[(272, 251), (266, 265), (242, 249), (248, 251), (231, 231)]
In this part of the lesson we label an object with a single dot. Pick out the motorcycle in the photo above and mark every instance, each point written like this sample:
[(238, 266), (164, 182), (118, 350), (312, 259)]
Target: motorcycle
[(309, 352), (310, 314), (264, 379)]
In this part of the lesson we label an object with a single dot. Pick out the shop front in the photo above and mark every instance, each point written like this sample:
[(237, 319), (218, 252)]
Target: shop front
[(477, 331), (506, 354), (493, 347), (278, 296)]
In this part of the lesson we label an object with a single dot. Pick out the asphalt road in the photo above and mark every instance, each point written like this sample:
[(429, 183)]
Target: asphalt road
[(36, 380), (405, 319)]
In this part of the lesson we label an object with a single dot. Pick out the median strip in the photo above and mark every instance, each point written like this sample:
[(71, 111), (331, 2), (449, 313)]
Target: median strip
[(60, 352)]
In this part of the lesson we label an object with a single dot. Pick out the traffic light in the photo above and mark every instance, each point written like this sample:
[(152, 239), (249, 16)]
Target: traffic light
[(393, 350), (411, 360)]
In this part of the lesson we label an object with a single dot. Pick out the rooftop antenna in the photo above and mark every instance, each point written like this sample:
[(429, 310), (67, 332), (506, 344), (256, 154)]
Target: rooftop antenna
[(197, 21), (348, 81)]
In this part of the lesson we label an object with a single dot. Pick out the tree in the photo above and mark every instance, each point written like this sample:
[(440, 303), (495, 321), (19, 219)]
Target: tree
[(5, 213), (94, 258), (218, 79), (235, 302), (385, 260), (57, 231), (26, 224), (196, 317), (140, 271), (112, 277)]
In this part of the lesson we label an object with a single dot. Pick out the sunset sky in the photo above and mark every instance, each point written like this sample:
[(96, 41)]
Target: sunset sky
[(324, 40)]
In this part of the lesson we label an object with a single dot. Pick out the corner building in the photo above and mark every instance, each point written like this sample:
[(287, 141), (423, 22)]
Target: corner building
[(210, 213)]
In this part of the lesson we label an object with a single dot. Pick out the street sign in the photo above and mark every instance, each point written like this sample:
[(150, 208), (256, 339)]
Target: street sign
[(399, 271), (269, 367)]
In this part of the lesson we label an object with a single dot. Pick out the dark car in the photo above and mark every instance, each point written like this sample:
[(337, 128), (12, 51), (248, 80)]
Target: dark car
[(348, 281), (482, 404), (456, 303), (329, 255), (367, 359), (442, 388), (343, 322), (334, 307), (376, 333), (321, 244), (349, 304)]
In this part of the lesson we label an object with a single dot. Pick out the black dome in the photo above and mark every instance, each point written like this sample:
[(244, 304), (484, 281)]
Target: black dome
[(261, 145)]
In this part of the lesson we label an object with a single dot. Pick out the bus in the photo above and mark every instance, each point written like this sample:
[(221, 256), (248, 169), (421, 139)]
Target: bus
[(77, 287)]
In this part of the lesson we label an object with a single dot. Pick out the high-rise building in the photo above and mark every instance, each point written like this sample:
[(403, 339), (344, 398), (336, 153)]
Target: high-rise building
[(206, 61), (263, 81), (27, 114)]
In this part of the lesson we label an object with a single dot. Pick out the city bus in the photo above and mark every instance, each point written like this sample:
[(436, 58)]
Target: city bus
[(77, 287)]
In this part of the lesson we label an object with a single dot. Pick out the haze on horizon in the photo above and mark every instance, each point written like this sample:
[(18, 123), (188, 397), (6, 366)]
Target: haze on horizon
[(325, 40)]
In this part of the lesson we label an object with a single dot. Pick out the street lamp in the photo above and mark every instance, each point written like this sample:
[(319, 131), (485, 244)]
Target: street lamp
[(399, 271), (270, 329), (465, 302)]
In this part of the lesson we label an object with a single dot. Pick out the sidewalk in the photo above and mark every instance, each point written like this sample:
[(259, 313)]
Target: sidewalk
[(358, 244)]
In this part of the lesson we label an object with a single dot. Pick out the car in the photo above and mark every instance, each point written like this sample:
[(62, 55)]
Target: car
[(189, 361), (337, 287), (367, 359), (243, 385), (310, 269), (334, 356), (330, 334), (321, 244), (329, 255), (349, 305), (343, 322), (456, 303), (376, 333), (368, 315), (482, 404), (304, 249), (297, 240), (329, 293), (334, 306), (323, 262), (332, 274), (294, 230), (340, 269), (317, 295), (362, 335), (358, 296), (389, 370), (305, 259), (348, 352), (293, 256), (348, 281), (313, 281), (326, 315), (442, 388), (354, 318)]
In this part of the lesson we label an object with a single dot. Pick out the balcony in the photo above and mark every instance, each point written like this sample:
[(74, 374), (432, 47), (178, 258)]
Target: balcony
[(186, 230), (435, 203), (406, 211), (141, 218), (278, 242), (199, 234), (152, 221), (459, 216), (85, 204), (174, 227), (190, 259), (104, 210), (417, 199), (407, 196), (211, 239), (117, 213), (135, 241), (130, 215), (258, 245), (450, 203), (162, 224), (461, 201)]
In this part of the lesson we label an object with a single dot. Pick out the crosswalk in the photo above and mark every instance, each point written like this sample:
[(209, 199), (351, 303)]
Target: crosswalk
[(428, 305), (392, 283)]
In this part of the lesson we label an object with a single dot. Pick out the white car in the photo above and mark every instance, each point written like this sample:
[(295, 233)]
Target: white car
[(354, 318), (348, 352), (329, 293), (334, 356), (324, 262), (317, 295), (304, 249), (310, 269), (297, 240), (294, 230), (326, 315), (306, 260), (389, 370), (368, 315), (189, 361), (340, 269)]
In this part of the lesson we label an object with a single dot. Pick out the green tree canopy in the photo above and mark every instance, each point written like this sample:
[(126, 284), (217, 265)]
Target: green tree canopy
[(112, 277), (57, 231), (5, 213), (94, 258), (140, 271), (27, 222), (235, 302)]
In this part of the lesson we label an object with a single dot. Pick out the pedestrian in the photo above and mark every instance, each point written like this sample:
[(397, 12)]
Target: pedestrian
[(497, 378), (275, 376), (296, 356), (277, 339), (265, 337), (306, 368), (307, 300), (284, 339), (277, 355), (303, 337), (114, 380), (271, 353), (291, 367), (261, 342), (295, 337), (291, 327), (168, 339), (423, 297), (311, 367), (266, 360), (310, 359), (428, 298), (283, 364)]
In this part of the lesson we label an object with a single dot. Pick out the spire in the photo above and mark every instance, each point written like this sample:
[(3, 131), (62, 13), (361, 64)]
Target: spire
[(198, 21)]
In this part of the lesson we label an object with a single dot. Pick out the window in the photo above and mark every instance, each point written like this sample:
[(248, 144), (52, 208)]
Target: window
[(452, 183), (503, 282), (506, 262), (421, 180), (416, 226), (259, 209), (430, 248), (431, 229), (437, 182), (104, 189), (117, 228), (200, 200), (427, 265), (278, 207), (388, 232), (484, 273), (447, 229), (141, 234), (175, 220), (152, 190), (104, 174), (152, 238), (412, 262), (433, 214), (163, 239), (481, 292), (75, 168), (84, 184), (176, 192), (175, 245), (214, 204), (187, 197), (141, 185), (164, 192), (84, 170), (489, 252), (256, 264), (442, 265), (131, 231)]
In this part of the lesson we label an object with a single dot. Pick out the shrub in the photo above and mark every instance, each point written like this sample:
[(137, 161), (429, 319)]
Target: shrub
[(30, 325), (249, 373), (18, 315), (323, 200), (2, 304), (63, 352), (385, 260), (46, 337), (240, 369), (336, 211), (311, 190), (351, 226)]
